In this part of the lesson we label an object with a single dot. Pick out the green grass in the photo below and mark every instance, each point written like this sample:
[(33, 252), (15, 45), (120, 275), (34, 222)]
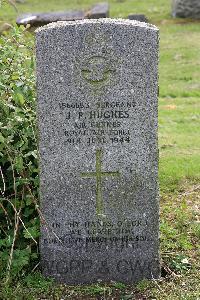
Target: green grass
[(179, 140), (179, 145), (179, 60), (156, 10)]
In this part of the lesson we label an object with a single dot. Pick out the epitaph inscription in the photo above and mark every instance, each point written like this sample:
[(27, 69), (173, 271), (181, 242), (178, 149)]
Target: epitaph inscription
[(97, 115)]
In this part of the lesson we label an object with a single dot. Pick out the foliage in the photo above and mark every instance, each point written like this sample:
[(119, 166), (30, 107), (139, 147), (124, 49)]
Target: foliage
[(37, 281), (18, 154), (180, 263), (174, 235)]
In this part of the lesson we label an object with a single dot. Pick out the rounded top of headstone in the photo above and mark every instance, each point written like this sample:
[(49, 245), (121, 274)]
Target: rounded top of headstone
[(105, 21)]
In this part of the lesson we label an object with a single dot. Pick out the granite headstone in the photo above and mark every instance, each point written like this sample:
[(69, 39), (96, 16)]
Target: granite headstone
[(186, 8), (97, 85), (40, 19)]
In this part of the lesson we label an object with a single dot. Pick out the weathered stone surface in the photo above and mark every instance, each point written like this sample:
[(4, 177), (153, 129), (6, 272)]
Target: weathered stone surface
[(186, 8), (138, 17), (97, 114), (99, 10), (40, 19)]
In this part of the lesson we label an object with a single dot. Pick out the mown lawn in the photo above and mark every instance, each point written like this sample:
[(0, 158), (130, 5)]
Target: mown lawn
[(179, 145)]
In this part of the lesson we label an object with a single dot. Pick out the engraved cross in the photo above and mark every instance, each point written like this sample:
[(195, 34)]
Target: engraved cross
[(99, 175)]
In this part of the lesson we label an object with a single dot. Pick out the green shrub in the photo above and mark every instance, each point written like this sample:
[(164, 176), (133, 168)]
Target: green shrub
[(19, 227)]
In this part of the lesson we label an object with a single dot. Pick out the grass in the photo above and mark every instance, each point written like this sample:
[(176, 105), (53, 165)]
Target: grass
[(179, 141), (179, 58), (156, 10)]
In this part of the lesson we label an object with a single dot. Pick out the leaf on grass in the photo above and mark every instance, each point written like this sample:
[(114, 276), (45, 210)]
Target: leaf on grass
[(170, 107), (33, 153), (19, 163), (20, 98), (31, 232), (1, 138)]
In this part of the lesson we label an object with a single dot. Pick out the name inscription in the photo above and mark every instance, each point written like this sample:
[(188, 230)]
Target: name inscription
[(101, 123)]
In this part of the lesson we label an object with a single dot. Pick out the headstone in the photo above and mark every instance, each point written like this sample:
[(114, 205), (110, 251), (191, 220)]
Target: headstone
[(40, 19), (186, 9), (97, 83), (99, 10), (138, 17)]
